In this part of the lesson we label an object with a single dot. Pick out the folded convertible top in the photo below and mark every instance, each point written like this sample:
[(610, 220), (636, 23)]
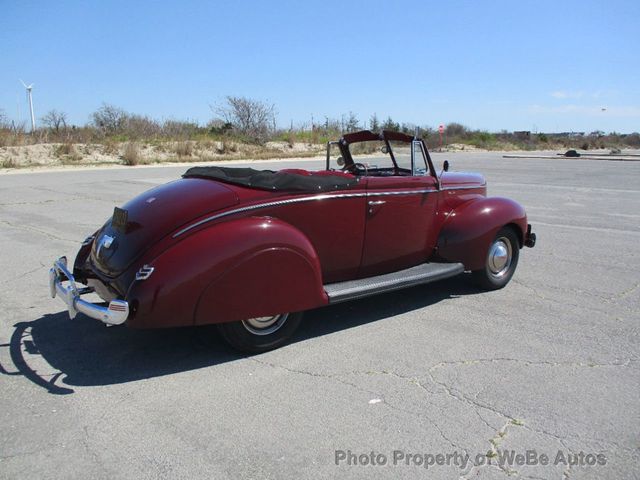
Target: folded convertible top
[(284, 181)]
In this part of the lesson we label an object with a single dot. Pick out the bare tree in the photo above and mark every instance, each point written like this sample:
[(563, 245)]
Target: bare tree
[(374, 123), (253, 118), (179, 128), (389, 124), (109, 119), (352, 123), (4, 120), (55, 120), (140, 126)]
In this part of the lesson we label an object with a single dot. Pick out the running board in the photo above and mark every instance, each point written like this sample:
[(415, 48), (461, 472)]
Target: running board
[(364, 287)]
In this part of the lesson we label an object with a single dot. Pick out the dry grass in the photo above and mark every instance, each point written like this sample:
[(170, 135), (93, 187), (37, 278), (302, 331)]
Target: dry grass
[(110, 147), (68, 154), (131, 154), (137, 153), (291, 139), (183, 149)]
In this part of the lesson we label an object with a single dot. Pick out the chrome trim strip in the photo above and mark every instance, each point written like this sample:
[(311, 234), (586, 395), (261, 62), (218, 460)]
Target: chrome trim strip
[(288, 201), (401, 192), (465, 187)]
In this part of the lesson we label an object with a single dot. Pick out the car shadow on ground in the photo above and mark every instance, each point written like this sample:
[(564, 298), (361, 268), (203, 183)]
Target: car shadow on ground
[(84, 352)]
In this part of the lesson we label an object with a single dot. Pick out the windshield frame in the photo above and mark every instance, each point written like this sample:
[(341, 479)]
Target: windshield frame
[(385, 136)]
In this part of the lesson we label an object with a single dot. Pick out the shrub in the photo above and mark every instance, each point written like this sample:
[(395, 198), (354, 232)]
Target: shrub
[(482, 139), (455, 130), (9, 163), (131, 154), (633, 140)]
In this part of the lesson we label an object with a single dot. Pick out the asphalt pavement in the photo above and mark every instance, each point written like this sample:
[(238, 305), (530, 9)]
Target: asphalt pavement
[(437, 381)]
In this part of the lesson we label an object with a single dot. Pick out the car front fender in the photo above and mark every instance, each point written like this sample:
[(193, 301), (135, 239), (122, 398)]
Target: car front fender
[(254, 266), (470, 228)]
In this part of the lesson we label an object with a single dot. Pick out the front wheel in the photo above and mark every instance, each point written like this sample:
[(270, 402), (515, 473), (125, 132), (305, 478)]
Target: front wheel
[(500, 262), (256, 335)]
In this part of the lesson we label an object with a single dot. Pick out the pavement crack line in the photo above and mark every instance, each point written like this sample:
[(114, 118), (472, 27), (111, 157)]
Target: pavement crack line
[(74, 195), (460, 397), (310, 374), (475, 404), (31, 229), (22, 275), (494, 451), (336, 377), (19, 204), (624, 293)]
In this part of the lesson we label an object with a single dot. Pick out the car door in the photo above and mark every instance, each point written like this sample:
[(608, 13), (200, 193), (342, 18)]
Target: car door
[(399, 213)]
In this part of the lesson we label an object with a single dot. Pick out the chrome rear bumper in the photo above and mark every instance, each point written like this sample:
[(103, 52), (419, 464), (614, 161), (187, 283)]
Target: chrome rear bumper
[(115, 313)]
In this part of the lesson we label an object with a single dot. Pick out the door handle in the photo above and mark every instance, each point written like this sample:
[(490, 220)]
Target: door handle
[(373, 204)]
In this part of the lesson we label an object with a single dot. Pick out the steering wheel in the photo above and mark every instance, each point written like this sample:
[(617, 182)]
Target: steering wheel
[(356, 168)]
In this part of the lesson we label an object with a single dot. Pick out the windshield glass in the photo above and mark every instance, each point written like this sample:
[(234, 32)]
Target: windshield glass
[(375, 154), (402, 154), (372, 154)]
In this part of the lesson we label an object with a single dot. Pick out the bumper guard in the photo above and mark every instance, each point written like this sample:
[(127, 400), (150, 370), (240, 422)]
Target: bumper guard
[(530, 238), (114, 314)]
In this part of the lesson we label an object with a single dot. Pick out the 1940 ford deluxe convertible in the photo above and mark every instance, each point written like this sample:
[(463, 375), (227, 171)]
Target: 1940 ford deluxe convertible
[(251, 250)]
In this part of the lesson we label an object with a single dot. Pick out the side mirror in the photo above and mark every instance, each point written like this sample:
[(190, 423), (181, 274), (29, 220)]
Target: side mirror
[(384, 149), (445, 166), (340, 162)]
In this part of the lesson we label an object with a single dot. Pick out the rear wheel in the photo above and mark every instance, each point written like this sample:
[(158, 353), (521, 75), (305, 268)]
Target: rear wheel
[(500, 262), (260, 334)]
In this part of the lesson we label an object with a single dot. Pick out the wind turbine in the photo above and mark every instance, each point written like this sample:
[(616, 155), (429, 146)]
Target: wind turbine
[(33, 118)]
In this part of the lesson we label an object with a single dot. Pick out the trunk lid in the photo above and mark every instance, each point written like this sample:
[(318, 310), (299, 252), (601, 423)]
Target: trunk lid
[(153, 215)]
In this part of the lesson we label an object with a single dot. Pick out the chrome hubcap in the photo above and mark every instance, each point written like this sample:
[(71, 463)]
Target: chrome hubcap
[(499, 259), (265, 325)]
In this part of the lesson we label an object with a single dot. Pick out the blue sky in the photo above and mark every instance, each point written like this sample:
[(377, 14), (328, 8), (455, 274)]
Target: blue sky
[(515, 65)]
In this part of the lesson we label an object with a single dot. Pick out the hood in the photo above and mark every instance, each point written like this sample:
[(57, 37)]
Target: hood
[(153, 215), (462, 179)]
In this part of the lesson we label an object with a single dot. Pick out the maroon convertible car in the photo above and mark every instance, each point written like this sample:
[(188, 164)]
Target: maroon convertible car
[(251, 250)]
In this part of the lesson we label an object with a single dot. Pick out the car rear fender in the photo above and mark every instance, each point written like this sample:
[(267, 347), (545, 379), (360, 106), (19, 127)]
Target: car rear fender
[(469, 229), (254, 266)]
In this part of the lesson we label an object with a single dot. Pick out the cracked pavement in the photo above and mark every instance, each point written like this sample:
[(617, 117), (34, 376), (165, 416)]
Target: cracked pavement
[(550, 363)]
